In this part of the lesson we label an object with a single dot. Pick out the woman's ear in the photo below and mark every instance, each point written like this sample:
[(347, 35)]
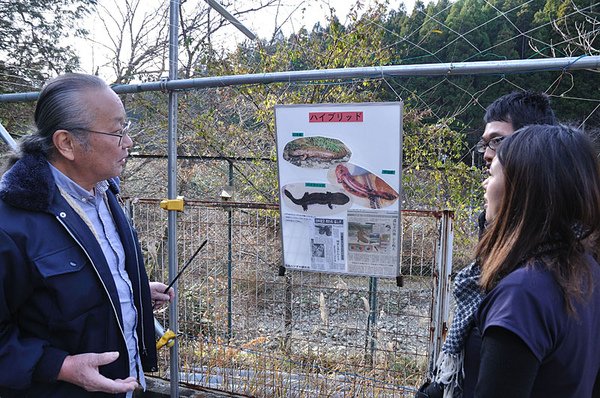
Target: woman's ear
[(64, 143)]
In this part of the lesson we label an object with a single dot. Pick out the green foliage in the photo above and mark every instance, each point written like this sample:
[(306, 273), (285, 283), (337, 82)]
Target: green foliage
[(31, 37), (436, 176), (577, 23), (31, 49), (478, 30)]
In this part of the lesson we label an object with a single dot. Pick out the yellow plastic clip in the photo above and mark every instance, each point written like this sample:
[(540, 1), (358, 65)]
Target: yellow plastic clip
[(172, 204), (167, 338)]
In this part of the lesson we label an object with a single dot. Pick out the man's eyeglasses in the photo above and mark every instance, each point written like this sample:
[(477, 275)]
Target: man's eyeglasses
[(119, 133), (493, 144)]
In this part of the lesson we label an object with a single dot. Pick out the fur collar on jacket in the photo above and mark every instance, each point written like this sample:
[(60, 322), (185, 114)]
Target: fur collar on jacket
[(29, 184)]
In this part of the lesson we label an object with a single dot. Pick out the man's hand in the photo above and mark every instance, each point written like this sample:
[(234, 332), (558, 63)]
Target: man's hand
[(159, 298), (82, 370)]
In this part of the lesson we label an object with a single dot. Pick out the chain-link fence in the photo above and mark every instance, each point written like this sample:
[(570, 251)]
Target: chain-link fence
[(247, 327)]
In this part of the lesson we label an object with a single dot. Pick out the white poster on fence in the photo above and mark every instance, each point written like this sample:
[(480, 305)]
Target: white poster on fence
[(340, 187)]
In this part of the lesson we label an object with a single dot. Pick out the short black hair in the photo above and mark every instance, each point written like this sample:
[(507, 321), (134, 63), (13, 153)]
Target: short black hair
[(521, 108)]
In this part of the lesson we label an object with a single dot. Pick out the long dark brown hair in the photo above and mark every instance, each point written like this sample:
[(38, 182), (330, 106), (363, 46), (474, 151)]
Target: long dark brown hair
[(550, 209)]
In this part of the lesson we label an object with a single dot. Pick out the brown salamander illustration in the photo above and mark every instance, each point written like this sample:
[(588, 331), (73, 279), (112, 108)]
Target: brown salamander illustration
[(316, 152), (356, 187)]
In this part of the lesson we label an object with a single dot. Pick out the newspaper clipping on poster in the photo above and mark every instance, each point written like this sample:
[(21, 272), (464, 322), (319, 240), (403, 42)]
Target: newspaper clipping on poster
[(372, 242), (339, 181)]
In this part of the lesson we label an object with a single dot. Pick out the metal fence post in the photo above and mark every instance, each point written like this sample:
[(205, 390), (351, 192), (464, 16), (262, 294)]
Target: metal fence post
[(371, 321), (172, 190), (443, 268), (229, 257)]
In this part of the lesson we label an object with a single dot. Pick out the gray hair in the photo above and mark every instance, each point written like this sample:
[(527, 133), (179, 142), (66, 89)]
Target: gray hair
[(59, 106)]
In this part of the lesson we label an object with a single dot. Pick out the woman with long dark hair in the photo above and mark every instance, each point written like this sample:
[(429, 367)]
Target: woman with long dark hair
[(540, 319)]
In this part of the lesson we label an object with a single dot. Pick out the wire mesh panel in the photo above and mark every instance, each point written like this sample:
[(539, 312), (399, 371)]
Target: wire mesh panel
[(246, 328)]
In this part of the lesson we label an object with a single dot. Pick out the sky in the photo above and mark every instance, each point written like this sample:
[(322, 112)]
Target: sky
[(291, 15)]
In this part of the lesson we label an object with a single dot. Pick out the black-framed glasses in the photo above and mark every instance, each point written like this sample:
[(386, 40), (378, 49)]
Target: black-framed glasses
[(493, 144), (118, 133)]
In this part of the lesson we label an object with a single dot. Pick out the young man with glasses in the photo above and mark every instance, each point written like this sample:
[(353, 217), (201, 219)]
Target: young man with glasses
[(459, 354), (509, 113), (75, 301), (506, 115)]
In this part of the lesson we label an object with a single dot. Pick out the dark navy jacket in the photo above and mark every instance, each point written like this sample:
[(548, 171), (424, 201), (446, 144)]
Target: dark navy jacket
[(57, 295)]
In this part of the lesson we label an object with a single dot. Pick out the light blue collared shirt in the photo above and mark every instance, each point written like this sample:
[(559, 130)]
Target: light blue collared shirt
[(96, 209)]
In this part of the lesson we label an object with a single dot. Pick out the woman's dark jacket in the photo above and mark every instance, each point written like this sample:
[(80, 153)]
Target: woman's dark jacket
[(57, 294)]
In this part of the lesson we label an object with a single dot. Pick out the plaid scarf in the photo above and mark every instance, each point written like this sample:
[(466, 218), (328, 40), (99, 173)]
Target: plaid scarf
[(468, 295)]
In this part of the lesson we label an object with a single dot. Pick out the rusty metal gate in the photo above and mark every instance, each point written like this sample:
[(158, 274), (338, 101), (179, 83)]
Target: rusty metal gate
[(245, 328)]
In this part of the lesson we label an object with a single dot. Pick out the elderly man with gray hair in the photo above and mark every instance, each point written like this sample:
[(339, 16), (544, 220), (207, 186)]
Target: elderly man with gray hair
[(75, 301)]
